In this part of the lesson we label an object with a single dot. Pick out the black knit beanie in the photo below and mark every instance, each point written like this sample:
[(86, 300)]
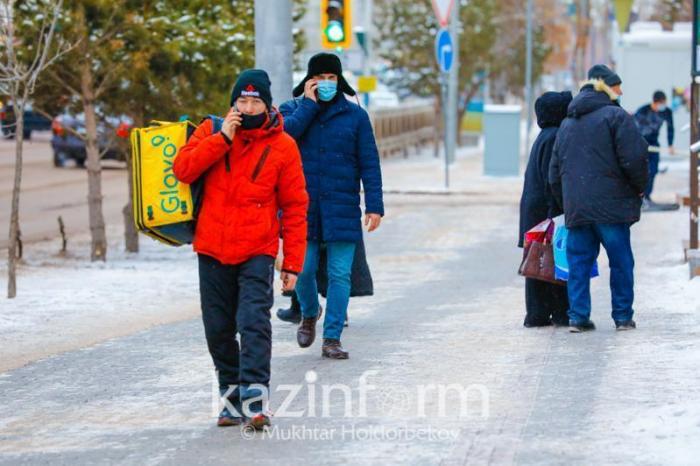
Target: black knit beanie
[(253, 83), (608, 76)]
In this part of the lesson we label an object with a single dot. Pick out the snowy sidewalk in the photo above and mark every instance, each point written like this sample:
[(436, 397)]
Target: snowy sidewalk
[(447, 313)]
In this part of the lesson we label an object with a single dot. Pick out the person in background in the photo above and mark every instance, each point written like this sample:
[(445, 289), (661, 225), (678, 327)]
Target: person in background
[(598, 173), (649, 119), (338, 152), (545, 303)]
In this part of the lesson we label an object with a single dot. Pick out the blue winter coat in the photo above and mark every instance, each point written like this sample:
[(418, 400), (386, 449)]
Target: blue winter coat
[(338, 150)]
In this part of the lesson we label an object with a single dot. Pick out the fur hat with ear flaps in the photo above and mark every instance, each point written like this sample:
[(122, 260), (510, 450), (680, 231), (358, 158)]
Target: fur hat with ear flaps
[(324, 63)]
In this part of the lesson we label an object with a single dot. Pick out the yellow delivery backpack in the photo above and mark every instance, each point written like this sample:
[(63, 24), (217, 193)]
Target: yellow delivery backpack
[(164, 208)]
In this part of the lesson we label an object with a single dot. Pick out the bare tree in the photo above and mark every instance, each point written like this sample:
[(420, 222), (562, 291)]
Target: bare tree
[(669, 12), (20, 67)]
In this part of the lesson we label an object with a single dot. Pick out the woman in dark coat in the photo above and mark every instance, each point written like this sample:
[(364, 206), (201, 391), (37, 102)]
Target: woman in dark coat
[(546, 303)]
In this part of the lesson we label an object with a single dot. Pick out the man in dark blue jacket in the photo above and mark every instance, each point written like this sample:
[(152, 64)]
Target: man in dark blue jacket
[(649, 119), (598, 173), (338, 151)]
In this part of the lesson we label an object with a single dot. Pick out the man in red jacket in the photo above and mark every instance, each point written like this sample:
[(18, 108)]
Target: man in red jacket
[(252, 171)]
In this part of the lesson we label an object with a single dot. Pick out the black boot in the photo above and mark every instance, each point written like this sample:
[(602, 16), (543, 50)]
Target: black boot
[(581, 326), (293, 314), (625, 325), (534, 322)]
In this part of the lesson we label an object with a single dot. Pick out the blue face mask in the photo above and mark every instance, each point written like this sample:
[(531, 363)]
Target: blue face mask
[(327, 90), (661, 108)]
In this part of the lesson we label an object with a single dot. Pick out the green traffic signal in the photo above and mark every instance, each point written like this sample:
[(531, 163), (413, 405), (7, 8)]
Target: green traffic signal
[(336, 24), (334, 32)]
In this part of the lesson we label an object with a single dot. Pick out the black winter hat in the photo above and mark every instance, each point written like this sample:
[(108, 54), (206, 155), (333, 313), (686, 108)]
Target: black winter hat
[(606, 74), (254, 83), (324, 63), (551, 107), (659, 96)]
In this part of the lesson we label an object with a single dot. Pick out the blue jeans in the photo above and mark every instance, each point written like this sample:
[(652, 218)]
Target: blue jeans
[(582, 248), (653, 170), (340, 257)]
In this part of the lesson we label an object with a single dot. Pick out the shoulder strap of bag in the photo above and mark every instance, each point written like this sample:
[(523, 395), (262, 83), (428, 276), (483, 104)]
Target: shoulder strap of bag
[(217, 123)]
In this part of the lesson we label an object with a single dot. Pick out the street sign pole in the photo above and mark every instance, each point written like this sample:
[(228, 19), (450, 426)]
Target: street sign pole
[(528, 75), (444, 81), (444, 54), (448, 63), (453, 87), (694, 128), (273, 44)]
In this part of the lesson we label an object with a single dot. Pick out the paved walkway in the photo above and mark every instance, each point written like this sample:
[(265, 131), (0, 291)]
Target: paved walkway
[(447, 313)]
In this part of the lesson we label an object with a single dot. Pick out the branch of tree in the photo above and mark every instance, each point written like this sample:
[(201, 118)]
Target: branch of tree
[(46, 114), (104, 83), (63, 83)]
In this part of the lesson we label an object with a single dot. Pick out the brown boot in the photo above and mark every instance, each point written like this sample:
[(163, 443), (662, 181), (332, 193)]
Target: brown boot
[(332, 349), (306, 333)]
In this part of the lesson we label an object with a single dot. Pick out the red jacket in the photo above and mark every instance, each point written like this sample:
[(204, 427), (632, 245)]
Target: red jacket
[(238, 218)]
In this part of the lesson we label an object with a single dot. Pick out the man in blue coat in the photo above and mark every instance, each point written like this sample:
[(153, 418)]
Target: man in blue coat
[(649, 119), (338, 150), (598, 173)]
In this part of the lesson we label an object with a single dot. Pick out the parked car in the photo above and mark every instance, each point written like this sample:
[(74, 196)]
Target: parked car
[(68, 142), (32, 121)]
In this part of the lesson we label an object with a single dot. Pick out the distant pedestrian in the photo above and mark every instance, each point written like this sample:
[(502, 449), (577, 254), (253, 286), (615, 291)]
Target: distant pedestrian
[(598, 173), (649, 119), (252, 170), (338, 151), (546, 303)]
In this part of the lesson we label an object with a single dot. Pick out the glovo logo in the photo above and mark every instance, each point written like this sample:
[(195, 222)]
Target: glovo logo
[(170, 201)]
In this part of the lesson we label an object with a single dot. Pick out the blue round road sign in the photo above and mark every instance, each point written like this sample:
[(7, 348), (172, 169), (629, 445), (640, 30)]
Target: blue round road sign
[(444, 52)]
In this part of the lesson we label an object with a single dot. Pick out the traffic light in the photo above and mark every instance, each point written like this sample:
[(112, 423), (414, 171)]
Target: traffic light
[(336, 23)]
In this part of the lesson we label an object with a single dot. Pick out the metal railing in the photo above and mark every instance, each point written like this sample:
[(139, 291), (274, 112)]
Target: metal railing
[(399, 129)]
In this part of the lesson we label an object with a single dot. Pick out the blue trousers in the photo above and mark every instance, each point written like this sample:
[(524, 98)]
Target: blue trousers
[(582, 248), (340, 257), (653, 170)]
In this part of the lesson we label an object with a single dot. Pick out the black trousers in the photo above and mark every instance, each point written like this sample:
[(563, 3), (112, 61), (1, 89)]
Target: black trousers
[(545, 303), (236, 299)]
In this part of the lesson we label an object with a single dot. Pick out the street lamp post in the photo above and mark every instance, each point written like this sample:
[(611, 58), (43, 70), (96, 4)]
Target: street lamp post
[(528, 75), (274, 45), (694, 128)]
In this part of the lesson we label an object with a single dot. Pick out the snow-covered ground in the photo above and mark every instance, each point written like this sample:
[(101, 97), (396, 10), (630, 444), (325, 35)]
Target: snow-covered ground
[(448, 309), (66, 303)]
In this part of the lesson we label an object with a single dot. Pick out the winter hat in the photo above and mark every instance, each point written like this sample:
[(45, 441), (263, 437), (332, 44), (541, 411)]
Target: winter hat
[(551, 107), (253, 83), (324, 63), (606, 74)]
